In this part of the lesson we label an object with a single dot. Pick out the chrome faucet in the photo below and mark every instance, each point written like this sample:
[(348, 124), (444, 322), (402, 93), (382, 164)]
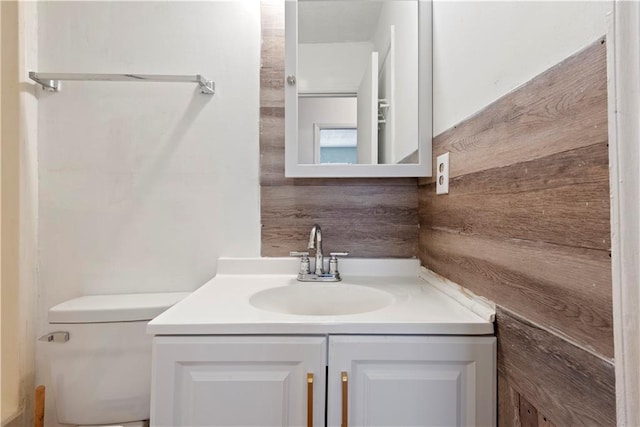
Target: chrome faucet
[(319, 274), (315, 242)]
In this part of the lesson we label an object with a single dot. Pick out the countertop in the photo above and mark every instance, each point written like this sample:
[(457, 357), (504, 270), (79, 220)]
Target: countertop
[(424, 302)]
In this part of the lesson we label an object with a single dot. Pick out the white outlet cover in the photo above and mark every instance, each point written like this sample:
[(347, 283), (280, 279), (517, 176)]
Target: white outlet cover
[(442, 174)]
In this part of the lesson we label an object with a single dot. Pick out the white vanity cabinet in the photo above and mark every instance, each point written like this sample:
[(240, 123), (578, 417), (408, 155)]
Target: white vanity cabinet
[(237, 380), (413, 380), (371, 380)]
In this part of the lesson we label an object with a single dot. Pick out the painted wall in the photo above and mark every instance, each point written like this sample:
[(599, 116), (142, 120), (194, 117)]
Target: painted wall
[(483, 50), (144, 185), (19, 210), (9, 266), (147, 183)]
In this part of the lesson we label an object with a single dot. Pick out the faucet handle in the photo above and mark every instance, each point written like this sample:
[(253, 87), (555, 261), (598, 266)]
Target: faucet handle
[(304, 261), (300, 254), (335, 255), (333, 262)]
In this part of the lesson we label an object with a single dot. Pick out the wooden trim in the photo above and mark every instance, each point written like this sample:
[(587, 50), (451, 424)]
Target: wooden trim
[(624, 154), (479, 305), (38, 414)]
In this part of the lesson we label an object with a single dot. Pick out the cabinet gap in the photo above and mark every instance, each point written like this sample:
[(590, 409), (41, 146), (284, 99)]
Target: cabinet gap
[(326, 393)]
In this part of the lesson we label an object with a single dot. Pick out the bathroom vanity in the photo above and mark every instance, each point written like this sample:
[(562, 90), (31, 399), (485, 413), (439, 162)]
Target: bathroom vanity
[(392, 344)]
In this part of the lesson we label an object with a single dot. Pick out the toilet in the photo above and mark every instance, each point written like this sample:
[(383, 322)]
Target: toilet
[(100, 357)]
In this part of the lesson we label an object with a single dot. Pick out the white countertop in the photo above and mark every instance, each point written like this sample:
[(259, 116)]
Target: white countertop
[(424, 302)]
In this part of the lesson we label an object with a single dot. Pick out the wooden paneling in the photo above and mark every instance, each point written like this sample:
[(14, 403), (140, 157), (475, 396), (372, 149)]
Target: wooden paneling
[(543, 421), (573, 386), (527, 413), (515, 411), (367, 217), (508, 404), (564, 289), (526, 224), (533, 233), (561, 199), (364, 220)]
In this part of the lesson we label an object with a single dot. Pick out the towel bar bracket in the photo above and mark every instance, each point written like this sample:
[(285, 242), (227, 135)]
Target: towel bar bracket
[(47, 84), (206, 86)]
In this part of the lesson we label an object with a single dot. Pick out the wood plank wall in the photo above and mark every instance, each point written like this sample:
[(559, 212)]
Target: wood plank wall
[(526, 224), (367, 217)]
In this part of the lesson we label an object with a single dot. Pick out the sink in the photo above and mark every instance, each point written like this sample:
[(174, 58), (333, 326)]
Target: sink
[(321, 299)]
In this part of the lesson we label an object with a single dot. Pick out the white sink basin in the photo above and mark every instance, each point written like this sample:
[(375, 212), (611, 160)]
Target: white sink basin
[(321, 299)]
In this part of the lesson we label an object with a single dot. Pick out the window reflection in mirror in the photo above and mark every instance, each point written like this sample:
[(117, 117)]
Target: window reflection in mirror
[(358, 65), (323, 112), (337, 143)]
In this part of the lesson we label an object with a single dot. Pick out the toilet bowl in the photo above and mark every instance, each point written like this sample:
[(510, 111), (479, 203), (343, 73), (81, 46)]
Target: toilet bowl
[(100, 357)]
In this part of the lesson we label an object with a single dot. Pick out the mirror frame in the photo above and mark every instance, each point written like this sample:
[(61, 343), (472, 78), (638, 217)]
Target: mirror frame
[(425, 109)]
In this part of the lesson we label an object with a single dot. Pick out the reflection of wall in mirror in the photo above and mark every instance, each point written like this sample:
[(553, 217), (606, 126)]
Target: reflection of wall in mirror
[(314, 110), (403, 77), (331, 67)]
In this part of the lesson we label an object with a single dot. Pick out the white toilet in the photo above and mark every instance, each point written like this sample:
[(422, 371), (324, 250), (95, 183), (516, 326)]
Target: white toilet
[(101, 369)]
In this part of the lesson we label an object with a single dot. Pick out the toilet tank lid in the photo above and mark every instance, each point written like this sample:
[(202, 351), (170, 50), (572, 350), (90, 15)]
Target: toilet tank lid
[(114, 308)]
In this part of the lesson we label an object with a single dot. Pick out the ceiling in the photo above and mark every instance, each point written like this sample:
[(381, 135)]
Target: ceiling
[(332, 21)]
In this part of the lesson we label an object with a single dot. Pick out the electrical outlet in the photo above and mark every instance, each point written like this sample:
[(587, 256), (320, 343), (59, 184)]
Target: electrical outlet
[(442, 174)]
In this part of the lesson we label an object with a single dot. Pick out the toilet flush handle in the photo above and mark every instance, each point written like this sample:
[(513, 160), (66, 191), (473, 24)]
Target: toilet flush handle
[(58, 336)]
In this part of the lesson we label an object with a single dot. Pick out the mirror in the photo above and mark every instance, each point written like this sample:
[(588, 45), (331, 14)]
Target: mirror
[(358, 88)]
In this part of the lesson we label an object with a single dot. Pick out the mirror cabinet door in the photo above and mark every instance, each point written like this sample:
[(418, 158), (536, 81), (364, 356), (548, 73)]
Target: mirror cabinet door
[(358, 91)]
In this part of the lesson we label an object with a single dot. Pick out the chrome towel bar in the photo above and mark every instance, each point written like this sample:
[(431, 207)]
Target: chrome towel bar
[(51, 81)]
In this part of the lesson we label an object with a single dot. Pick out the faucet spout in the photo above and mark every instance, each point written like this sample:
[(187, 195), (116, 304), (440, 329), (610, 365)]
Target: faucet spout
[(315, 242)]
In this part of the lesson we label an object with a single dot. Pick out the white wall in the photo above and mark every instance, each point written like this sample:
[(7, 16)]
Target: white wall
[(144, 185), (19, 211), (9, 244), (483, 50)]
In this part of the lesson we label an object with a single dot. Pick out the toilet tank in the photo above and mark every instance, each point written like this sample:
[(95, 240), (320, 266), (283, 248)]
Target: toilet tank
[(102, 374)]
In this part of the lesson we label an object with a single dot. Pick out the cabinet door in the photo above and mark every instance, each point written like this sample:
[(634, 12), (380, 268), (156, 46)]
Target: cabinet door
[(412, 381), (237, 381)]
